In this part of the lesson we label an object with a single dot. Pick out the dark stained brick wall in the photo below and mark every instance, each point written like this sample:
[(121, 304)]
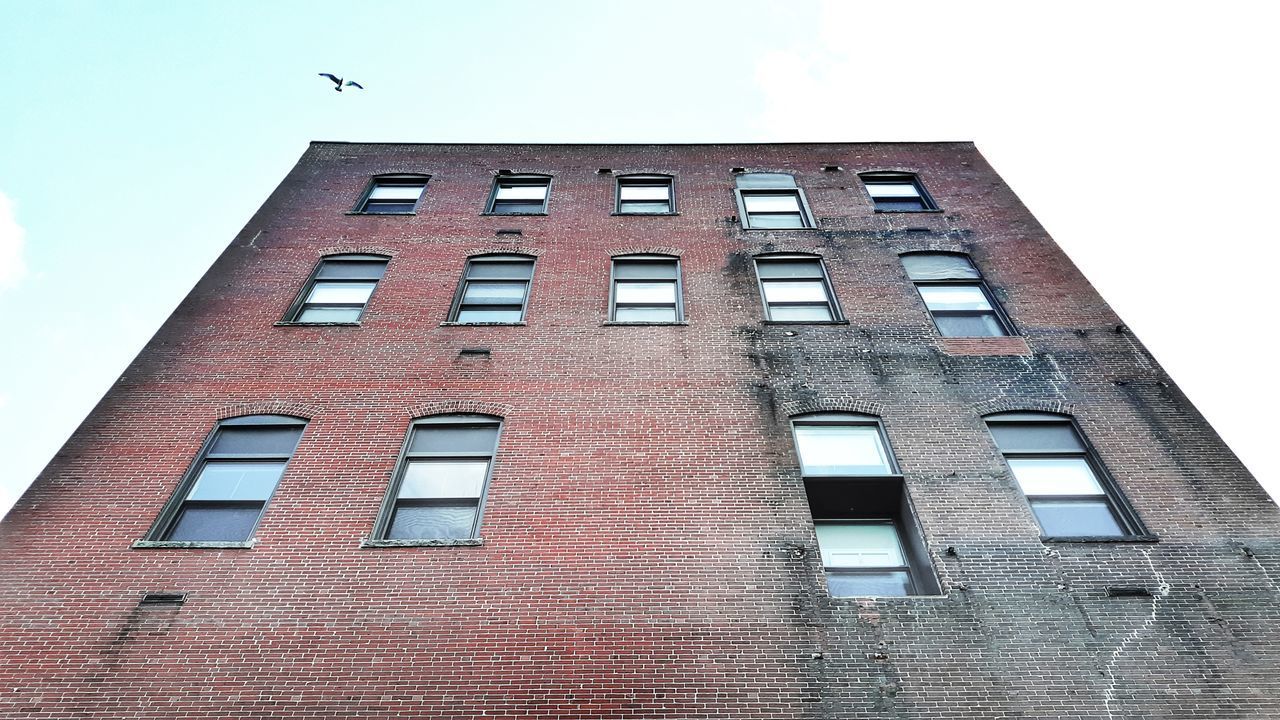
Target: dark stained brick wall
[(648, 550)]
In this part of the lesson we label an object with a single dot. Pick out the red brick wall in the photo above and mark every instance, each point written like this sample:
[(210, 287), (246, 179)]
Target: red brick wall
[(648, 550)]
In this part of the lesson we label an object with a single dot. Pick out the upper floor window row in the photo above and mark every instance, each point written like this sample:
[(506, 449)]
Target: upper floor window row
[(766, 201)]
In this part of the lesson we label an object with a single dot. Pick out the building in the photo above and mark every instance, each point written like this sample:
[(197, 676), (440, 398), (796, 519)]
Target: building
[(635, 431)]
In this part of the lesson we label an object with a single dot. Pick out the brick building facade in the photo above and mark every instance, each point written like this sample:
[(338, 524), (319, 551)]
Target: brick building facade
[(636, 431)]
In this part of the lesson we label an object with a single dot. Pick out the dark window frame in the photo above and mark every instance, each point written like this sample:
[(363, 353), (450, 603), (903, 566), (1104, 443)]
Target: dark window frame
[(391, 501), (928, 204), (740, 194), (645, 180), (997, 309), (1126, 517), (655, 259), (458, 305), (833, 303), (300, 304), (397, 179), (178, 501), (894, 504), (524, 179)]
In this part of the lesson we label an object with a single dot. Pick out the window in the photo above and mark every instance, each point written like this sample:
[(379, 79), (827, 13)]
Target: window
[(957, 298), (795, 289), (393, 194), (645, 195), (338, 290), (771, 201), (897, 192), (520, 194), (1062, 479), (861, 514), (441, 479), (227, 489), (646, 289), (494, 289)]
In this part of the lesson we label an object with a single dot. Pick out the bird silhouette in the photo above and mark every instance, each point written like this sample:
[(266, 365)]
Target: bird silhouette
[(338, 84)]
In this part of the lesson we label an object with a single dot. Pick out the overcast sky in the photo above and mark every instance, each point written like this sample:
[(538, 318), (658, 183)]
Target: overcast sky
[(136, 138)]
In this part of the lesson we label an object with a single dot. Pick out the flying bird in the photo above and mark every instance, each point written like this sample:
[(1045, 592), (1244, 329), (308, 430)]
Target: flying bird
[(338, 84)]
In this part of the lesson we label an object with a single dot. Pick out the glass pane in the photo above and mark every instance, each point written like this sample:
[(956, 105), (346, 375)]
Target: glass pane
[(645, 207), (509, 269), (522, 192), (327, 292), (459, 440), (787, 203), (1044, 436), (382, 207), (800, 313), (888, 583), (894, 204), (329, 315), (939, 267), (639, 314), (954, 297), (396, 192), (467, 315), (443, 479), (1055, 476), (432, 522), (765, 180), (777, 221), (863, 544), (236, 481), (214, 524), (1080, 518), (797, 291), (976, 324), (841, 450), (789, 268), (265, 440), (644, 192), (493, 293), (893, 190), (637, 269), (517, 206), (643, 293), (352, 270)]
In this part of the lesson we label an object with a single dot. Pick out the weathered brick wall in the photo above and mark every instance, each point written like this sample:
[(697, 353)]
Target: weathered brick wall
[(647, 548)]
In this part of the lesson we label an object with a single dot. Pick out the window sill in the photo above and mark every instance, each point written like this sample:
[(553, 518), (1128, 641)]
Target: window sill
[(381, 214), (1101, 539), (617, 323), (627, 214), (484, 324), (284, 323), (850, 478), (805, 322), (895, 212), (463, 542), (764, 230), (192, 545), (513, 214)]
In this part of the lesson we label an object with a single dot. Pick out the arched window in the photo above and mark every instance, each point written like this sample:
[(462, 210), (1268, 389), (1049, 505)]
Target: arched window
[(897, 192), (494, 290), (768, 201), (958, 299), (1061, 476), (393, 194), (520, 195), (440, 482), (338, 290), (867, 534), (795, 288), (645, 195), (224, 494), (646, 289)]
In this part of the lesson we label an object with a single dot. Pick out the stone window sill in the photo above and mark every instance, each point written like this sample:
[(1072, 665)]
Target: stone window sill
[(615, 323), (484, 324), (1101, 539), (805, 322), (192, 545), (287, 323), (463, 542)]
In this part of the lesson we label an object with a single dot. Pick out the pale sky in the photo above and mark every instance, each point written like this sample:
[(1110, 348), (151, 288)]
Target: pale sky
[(136, 139)]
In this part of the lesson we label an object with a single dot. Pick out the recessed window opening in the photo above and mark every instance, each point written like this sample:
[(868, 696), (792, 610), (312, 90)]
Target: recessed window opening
[(897, 192), (956, 296), (795, 288), (339, 289), (494, 289), (393, 194), (646, 289), (520, 194)]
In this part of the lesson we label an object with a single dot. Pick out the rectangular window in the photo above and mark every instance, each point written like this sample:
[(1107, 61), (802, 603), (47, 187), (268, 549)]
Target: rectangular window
[(228, 487), (520, 195), (393, 195), (495, 289), (645, 195), (864, 557), (338, 290), (958, 300), (769, 201), (441, 482), (646, 289), (1060, 477), (795, 289), (897, 192)]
